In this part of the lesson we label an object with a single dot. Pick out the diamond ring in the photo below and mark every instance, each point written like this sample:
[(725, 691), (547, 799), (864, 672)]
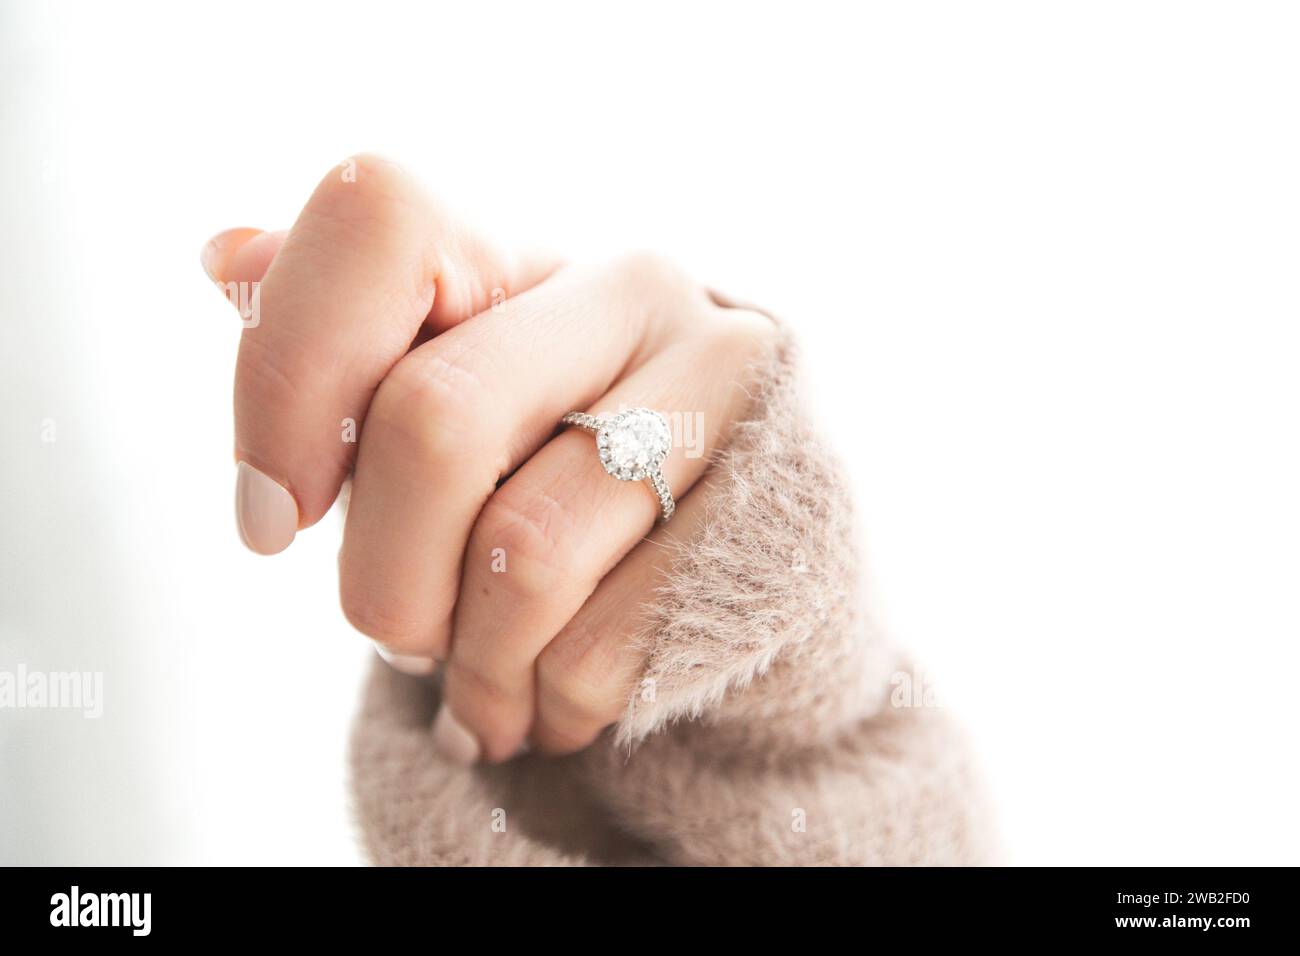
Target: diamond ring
[(632, 445)]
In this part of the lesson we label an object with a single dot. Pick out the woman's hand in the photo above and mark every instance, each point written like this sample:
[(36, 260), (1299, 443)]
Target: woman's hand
[(387, 342)]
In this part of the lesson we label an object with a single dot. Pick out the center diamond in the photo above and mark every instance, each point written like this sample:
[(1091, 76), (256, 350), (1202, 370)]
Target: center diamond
[(633, 443)]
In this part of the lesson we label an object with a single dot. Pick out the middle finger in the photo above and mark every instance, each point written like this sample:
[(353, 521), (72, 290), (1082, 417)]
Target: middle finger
[(450, 420)]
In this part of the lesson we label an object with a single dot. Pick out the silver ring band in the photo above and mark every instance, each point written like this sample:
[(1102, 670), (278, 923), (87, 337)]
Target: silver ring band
[(632, 446)]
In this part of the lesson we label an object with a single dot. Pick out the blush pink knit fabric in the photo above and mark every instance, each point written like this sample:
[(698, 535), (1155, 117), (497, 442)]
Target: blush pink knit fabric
[(772, 726)]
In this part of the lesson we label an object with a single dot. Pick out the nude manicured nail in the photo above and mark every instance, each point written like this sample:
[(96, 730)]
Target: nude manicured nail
[(405, 663), (217, 250), (453, 741), (266, 512), (210, 259)]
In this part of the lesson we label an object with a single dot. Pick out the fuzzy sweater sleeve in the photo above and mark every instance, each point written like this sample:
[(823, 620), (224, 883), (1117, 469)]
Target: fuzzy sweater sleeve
[(772, 724)]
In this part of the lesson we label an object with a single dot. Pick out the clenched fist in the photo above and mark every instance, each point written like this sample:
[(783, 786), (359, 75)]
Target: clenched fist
[(386, 342)]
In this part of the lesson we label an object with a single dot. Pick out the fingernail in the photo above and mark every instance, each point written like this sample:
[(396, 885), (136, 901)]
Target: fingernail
[(406, 663), (266, 512), (208, 257), (217, 250), (453, 741)]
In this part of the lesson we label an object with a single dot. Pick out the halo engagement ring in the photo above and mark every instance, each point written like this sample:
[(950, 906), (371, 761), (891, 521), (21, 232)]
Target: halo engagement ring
[(632, 445)]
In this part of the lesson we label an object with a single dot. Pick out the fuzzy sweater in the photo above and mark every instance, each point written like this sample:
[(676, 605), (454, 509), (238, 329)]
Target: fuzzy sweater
[(772, 726)]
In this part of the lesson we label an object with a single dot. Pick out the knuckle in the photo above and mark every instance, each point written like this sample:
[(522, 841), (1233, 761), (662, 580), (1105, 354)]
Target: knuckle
[(649, 277), (643, 267), (378, 620), (658, 290), (370, 210), (536, 530), (432, 406), (579, 698), (744, 333), (367, 190)]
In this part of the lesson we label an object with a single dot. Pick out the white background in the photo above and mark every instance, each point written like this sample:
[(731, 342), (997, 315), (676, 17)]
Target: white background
[(1043, 258)]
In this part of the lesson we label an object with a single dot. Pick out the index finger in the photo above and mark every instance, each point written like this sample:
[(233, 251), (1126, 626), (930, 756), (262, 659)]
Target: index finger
[(370, 261)]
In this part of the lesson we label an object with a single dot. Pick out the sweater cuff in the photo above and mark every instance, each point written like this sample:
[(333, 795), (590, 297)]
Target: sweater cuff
[(761, 732), (757, 629)]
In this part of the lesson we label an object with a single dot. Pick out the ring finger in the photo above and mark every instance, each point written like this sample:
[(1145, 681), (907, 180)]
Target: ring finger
[(549, 535)]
